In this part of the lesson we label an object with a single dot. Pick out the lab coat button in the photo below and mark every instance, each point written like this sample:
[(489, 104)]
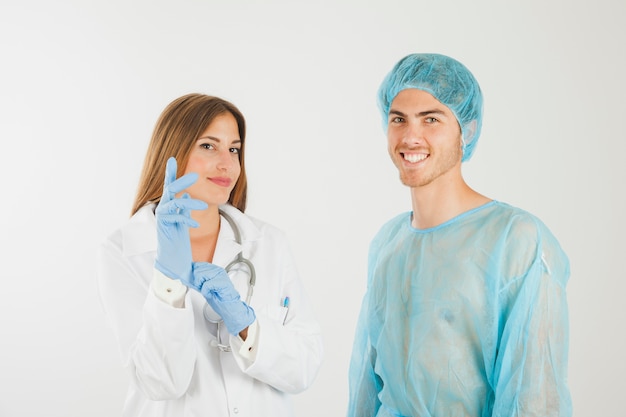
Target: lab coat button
[(235, 410)]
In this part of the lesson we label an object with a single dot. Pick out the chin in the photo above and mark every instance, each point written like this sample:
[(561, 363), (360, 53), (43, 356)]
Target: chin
[(217, 201), (212, 200)]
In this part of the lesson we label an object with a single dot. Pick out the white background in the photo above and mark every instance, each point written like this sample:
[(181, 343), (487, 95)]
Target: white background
[(82, 84)]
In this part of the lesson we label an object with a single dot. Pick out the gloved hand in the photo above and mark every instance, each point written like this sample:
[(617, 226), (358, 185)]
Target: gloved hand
[(173, 218), (215, 285)]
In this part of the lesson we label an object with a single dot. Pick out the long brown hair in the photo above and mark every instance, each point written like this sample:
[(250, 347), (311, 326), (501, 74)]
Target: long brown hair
[(179, 126)]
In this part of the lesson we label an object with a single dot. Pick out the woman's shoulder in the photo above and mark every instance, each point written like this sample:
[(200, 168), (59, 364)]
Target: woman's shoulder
[(135, 235)]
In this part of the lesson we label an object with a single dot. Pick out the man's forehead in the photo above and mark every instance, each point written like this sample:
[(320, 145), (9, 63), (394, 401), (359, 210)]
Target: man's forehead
[(417, 97)]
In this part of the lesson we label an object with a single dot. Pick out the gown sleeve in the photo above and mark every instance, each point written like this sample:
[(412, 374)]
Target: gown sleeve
[(364, 383), (530, 374)]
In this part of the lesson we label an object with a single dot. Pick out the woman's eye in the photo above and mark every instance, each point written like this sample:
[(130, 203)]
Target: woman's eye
[(207, 146), (234, 150)]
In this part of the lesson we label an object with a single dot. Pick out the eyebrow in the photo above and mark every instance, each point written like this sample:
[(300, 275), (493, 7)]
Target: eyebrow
[(216, 139), (420, 114)]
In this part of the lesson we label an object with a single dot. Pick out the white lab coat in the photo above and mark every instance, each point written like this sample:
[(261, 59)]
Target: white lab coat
[(167, 351)]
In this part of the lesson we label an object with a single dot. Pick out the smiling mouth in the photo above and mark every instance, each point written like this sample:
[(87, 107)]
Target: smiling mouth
[(414, 157)]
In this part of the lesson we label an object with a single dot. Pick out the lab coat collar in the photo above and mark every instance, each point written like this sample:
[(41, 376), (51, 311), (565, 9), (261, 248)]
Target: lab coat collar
[(249, 231), (227, 247)]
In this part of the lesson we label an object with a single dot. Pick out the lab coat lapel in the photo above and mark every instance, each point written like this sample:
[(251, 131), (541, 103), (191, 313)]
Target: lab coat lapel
[(227, 248)]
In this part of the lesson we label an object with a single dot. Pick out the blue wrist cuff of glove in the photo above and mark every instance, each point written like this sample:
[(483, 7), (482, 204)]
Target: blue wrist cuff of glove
[(168, 273), (243, 316)]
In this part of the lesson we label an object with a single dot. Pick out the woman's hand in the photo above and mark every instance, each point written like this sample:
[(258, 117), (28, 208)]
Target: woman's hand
[(173, 218), (215, 285)]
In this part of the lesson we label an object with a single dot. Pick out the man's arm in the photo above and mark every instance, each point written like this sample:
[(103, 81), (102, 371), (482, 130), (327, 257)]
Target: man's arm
[(364, 384), (531, 366)]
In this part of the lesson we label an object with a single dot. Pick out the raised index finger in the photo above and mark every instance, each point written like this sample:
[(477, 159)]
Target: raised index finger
[(170, 176), (170, 171), (172, 185)]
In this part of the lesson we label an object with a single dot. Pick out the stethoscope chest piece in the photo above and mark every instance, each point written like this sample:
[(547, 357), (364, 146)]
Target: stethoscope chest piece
[(210, 315)]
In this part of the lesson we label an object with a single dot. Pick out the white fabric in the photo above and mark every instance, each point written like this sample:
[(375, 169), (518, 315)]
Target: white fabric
[(168, 352), (168, 290)]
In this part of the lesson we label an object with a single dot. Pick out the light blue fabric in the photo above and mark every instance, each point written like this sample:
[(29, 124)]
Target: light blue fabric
[(446, 79), (213, 283), (173, 219), (468, 318)]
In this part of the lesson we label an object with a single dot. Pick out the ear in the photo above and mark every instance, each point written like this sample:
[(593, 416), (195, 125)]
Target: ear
[(468, 139), (469, 131)]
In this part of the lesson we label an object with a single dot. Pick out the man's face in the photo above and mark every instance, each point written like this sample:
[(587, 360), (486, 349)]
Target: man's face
[(423, 138)]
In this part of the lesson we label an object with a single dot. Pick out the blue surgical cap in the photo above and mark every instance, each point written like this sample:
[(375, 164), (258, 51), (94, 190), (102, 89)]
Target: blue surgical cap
[(446, 79)]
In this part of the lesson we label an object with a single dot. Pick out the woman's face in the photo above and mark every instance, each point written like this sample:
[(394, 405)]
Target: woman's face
[(215, 158)]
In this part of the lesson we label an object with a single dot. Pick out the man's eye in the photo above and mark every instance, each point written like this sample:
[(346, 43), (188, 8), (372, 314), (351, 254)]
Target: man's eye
[(430, 120), (397, 119)]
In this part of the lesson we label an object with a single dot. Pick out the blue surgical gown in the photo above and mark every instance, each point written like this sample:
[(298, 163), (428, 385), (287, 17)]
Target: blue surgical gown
[(468, 318)]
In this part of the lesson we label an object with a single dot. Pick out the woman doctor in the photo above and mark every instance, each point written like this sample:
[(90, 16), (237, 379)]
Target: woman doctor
[(194, 340)]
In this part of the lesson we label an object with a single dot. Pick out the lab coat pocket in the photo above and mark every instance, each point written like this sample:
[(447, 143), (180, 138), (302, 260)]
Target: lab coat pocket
[(277, 313)]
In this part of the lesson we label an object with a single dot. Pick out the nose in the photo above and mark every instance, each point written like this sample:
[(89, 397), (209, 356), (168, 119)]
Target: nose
[(226, 160), (412, 134)]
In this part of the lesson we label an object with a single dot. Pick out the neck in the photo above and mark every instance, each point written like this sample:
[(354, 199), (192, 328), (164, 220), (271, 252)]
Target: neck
[(208, 219), (442, 200), (204, 237)]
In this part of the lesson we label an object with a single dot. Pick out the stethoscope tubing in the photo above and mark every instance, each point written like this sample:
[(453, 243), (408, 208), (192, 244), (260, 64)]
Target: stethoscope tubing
[(239, 259)]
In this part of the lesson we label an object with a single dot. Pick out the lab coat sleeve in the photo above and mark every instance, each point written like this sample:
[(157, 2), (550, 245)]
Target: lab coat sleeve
[(247, 349), (531, 366), (168, 290), (289, 355), (155, 339)]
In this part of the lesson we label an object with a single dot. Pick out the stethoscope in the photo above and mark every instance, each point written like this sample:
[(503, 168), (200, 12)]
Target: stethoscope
[(210, 315)]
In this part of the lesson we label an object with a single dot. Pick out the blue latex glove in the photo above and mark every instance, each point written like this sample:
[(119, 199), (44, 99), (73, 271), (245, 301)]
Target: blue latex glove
[(173, 218), (215, 285)]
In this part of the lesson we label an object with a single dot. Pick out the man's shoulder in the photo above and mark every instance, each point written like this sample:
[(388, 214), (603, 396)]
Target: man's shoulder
[(526, 239), (390, 228), (508, 217), (395, 222), (520, 219), (525, 231)]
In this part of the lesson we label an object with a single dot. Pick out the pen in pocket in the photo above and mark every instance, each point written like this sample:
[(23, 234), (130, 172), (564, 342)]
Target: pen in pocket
[(286, 305)]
